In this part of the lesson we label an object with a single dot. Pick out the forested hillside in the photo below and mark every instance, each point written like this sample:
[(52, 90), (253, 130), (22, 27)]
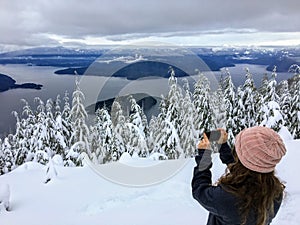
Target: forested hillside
[(56, 128)]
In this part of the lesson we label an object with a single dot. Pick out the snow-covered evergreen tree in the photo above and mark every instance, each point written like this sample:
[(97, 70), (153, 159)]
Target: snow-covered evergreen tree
[(66, 109), (260, 98), (230, 105), (80, 132), (168, 139), (270, 107), (119, 126), (173, 100), (137, 116), (61, 132), (203, 112), (7, 156), (64, 123), (153, 128), (295, 110), (21, 146), (239, 113), (285, 103), (159, 121), (270, 94), (248, 100), (107, 149), (2, 160), (137, 127), (57, 106), (95, 144), (188, 134), (40, 136), (47, 134), (60, 139), (272, 116), (218, 107)]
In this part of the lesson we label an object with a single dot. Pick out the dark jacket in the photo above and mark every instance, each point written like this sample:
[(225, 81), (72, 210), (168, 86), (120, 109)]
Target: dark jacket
[(222, 205)]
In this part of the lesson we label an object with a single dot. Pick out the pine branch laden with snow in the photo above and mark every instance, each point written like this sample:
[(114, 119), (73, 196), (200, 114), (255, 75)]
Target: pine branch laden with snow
[(273, 118), (74, 157)]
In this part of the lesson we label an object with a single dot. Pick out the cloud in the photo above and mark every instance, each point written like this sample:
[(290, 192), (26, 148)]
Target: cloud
[(34, 22)]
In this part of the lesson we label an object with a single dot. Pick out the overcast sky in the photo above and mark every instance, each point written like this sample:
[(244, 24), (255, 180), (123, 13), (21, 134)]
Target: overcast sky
[(83, 23)]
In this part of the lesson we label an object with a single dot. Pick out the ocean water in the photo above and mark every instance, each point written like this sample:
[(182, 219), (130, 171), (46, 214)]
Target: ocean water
[(95, 88)]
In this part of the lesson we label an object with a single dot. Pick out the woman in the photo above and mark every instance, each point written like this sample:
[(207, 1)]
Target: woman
[(248, 193)]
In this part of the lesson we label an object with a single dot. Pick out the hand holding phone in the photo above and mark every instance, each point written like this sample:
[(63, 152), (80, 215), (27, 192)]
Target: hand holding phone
[(204, 143), (223, 136)]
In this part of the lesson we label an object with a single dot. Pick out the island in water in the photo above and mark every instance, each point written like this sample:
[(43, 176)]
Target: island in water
[(7, 83)]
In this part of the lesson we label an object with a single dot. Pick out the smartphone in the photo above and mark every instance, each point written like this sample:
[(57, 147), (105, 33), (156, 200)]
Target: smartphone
[(213, 135)]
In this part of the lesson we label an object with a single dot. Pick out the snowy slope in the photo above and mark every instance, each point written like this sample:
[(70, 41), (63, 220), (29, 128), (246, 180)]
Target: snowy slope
[(80, 196)]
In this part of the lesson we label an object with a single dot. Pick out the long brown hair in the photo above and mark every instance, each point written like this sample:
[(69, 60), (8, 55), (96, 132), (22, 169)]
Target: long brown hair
[(256, 191)]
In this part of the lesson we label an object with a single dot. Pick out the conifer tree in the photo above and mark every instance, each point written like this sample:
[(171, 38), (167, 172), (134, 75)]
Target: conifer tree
[(7, 156), (173, 100), (272, 116), (107, 151), (203, 111), (239, 113), (230, 105), (40, 139), (188, 134), (80, 131), (295, 110), (260, 99), (285, 103), (270, 94), (137, 127), (153, 128), (137, 116), (2, 160), (168, 139), (270, 107), (218, 108), (160, 118), (56, 104), (65, 124), (119, 125), (21, 146), (248, 100)]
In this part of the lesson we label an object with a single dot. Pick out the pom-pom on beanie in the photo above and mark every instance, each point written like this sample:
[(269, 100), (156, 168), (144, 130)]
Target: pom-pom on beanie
[(259, 148)]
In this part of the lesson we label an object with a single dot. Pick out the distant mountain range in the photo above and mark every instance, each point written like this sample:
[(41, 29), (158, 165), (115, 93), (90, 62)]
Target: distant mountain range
[(76, 61), (6, 83)]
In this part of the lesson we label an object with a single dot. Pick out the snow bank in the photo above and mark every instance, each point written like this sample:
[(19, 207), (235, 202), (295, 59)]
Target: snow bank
[(80, 196), (287, 171), (285, 134), (137, 161), (290, 165), (4, 197)]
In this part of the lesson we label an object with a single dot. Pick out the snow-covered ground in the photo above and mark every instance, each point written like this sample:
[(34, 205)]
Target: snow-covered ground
[(81, 196)]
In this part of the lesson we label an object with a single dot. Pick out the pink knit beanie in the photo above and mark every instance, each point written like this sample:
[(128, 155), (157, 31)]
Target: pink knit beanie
[(259, 148)]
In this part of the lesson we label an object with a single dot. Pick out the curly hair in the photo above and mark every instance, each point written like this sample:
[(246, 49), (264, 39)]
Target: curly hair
[(256, 191)]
